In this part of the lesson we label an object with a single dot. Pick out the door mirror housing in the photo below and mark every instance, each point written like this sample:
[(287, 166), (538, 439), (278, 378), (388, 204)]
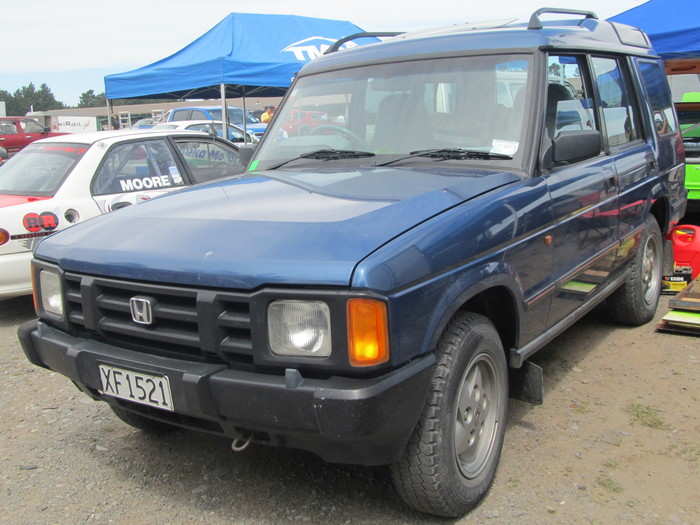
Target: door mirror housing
[(572, 146), (3, 154)]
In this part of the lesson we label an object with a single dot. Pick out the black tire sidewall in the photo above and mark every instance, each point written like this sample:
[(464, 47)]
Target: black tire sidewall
[(487, 342)]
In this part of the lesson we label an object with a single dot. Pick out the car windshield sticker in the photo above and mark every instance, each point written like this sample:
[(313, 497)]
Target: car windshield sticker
[(504, 147)]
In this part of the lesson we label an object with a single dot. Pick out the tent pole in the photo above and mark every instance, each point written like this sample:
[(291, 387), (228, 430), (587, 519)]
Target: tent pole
[(245, 120), (224, 112), (109, 114)]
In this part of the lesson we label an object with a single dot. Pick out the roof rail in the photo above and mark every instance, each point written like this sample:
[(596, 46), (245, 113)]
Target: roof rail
[(336, 45), (536, 23)]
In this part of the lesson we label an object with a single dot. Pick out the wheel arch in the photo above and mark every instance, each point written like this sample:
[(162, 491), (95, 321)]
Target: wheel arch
[(496, 298)]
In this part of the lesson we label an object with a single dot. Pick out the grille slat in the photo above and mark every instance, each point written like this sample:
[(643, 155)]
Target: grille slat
[(199, 324)]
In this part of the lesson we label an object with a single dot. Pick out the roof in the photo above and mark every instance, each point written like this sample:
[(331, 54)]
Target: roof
[(587, 34), (96, 136)]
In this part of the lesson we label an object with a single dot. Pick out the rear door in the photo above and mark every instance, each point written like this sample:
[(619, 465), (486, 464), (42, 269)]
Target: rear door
[(135, 171), (11, 137), (583, 194), (633, 152)]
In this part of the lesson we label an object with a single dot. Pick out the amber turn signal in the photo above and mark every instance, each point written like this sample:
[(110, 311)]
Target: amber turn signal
[(368, 332), (4, 236), (35, 291)]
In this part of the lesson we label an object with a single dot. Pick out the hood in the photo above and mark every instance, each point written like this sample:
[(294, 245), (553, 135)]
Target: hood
[(269, 228)]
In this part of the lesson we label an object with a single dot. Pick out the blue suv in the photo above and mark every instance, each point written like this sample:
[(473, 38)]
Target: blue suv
[(373, 287), (235, 117)]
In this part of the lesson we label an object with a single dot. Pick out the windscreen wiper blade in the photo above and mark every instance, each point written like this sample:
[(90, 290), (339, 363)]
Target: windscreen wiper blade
[(327, 154), (450, 154)]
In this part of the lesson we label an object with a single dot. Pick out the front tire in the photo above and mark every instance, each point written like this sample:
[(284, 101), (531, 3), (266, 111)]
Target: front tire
[(635, 302), (450, 461)]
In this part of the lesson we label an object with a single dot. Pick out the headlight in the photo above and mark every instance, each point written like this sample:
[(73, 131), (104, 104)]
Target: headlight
[(50, 292), (299, 328)]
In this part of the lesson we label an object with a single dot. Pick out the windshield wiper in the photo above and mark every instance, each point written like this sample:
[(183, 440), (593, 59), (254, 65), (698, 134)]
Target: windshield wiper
[(327, 154), (450, 154)]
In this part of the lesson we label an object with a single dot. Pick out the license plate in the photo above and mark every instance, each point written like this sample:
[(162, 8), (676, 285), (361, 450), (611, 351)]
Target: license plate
[(133, 386)]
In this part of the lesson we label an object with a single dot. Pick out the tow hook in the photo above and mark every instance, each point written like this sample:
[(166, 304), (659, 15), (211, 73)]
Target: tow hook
[(241, 443)]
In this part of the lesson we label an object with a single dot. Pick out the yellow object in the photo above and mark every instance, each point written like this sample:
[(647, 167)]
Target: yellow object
[(368, 332)]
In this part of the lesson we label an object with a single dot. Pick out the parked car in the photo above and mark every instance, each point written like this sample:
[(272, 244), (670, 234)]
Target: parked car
[(235, 117), (17, 132), (210, 127), (689, 116), (144, 123), (372, 290), (57, 182)]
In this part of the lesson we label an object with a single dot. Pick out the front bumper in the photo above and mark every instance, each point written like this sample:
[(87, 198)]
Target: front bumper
[(15, 277), (344, 420)]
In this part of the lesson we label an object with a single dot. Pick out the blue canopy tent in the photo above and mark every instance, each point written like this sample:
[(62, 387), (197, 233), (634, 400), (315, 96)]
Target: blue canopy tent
[(672, 25), (244, 54)]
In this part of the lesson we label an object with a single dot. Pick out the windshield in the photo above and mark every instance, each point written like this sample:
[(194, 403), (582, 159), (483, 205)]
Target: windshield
[(235, 116), (39, 169), (473, 103)]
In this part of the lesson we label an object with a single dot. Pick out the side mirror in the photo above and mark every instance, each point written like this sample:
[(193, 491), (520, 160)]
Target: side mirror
[(4, 155), (246, 152), (46, 130), (572, 146)]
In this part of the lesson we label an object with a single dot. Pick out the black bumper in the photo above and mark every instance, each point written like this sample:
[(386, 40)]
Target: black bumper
[(343, 420)]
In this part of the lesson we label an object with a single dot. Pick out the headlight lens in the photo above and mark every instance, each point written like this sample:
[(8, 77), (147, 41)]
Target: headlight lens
[(50, 291), (299, 328)]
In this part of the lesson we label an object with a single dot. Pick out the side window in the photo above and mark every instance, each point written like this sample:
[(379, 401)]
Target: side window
[(7, 127), (32, 126), (659, 95), (199, 127), (569, 103), (234, 134), (210, 160), (137, 166), (617, 103), (182, 114), (198, 115)]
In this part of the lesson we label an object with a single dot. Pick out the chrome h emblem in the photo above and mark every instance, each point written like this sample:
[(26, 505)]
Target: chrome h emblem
[(141, 310)]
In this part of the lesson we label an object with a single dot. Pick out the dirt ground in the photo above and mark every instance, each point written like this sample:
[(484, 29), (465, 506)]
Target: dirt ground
[(616, 441)]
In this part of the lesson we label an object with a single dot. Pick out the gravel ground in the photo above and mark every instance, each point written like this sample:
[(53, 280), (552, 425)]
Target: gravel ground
[(616, 441)]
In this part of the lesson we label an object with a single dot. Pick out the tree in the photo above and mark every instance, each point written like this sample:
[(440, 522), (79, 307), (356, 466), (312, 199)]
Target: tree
[(89, 99), (27, 97)]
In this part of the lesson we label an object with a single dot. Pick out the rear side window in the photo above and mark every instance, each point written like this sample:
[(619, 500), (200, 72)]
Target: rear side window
[(617, 104), (7, 127), (39, 169), (31, 126), (137, 166), (183, 114), (198, 115), (659, 95), (210, 160)]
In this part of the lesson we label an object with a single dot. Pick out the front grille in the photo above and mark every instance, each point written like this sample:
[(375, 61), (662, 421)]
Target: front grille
[(203, 325)]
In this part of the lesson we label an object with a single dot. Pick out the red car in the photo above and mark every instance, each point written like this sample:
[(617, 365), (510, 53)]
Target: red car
[(17, 132)]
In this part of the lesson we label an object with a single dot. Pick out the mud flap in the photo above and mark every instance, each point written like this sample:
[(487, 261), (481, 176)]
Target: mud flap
[(527, 383)]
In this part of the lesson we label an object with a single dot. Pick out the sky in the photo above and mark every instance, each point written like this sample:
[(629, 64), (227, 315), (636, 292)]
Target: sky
[(72, 44)]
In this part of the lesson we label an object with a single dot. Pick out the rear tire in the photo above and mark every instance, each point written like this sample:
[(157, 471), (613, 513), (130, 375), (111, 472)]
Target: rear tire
[(450, 461), (150, 426), (635, 302)]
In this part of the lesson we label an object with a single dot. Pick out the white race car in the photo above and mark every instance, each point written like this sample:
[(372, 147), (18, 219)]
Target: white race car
[(211, 127), (59, 181)]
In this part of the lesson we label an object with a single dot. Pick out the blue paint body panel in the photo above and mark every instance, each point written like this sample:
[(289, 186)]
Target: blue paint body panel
[(254, 231)]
